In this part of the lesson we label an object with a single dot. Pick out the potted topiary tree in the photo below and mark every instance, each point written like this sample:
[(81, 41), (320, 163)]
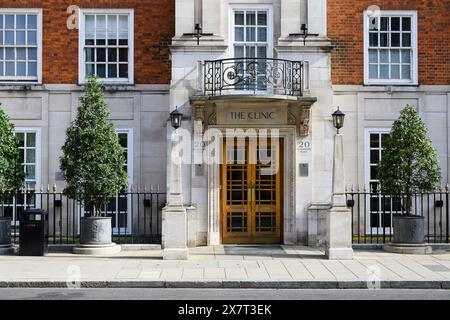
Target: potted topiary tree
[(92, 164), (12, 177), (408, 165)]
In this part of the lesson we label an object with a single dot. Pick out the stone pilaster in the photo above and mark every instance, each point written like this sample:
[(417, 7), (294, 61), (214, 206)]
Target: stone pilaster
[(174, 216), (339, 219)]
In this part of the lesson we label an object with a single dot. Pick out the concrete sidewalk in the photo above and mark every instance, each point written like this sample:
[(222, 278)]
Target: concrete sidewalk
[(230, 267)]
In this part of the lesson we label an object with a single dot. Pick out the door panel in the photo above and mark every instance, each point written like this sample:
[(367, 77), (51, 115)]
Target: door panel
[(251, 182)]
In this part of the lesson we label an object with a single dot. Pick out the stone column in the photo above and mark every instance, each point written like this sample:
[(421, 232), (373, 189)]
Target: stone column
[(339, 219), (174, 219), (290, 17), (184, 17), (212, 16)]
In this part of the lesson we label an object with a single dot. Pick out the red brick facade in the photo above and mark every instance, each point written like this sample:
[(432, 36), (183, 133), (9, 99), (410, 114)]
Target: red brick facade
[(345, 28), (154, 26)]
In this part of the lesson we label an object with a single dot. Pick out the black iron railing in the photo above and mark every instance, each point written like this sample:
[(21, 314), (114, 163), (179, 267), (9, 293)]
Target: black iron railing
[(258, 75), (372, 214), (136, 216)]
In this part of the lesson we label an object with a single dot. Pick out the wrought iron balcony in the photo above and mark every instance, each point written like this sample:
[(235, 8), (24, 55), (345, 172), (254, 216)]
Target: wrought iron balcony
[(256, 75)]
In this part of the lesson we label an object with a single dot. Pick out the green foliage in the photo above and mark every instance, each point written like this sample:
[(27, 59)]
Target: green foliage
[(409, 163), (92, 161), (12, 175)]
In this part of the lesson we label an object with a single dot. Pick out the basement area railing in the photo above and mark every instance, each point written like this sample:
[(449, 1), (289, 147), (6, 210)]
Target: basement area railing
[(136, 215), (372, 214)]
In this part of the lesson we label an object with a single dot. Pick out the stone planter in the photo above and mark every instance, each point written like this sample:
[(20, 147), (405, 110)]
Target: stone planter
[(96, 237), (5, 236), (409, 236), (409, 229)]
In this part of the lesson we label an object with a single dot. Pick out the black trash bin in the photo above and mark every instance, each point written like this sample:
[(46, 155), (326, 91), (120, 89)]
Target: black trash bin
[(33, 233)]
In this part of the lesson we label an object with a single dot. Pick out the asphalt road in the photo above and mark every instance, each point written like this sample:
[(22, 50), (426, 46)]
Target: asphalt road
[(220, 294)]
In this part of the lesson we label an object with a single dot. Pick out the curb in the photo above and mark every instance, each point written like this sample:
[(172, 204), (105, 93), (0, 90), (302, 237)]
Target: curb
[(230, 284)]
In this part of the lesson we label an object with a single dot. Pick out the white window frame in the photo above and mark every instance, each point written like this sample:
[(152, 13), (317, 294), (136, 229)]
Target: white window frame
[(251, 7), (38, 148), (81, 45), (369, 229), (414, 45), (38, 12), (129, 229)]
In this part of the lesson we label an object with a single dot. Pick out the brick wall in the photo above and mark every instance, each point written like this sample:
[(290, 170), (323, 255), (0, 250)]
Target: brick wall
[(345, 28), (154, 26)]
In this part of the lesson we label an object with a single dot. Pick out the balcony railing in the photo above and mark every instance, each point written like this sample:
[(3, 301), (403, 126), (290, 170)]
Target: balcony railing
[(255, 75)]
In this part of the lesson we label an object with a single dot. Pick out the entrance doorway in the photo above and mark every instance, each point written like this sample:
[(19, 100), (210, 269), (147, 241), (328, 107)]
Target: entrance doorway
[(251, 191)]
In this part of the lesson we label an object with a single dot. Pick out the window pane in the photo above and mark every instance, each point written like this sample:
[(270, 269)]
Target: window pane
[(406, 56), (395, 23), (395, 56), (384, 56), (90, 54), (10, 69), (384, 71), (32, 38), (251, 20), (395, 71), (383, 39), (123, 55), (239, 51), (9, 37), (384, 23), (90, 69), (90, 23), (112, 55), (250, 52), (262, 52), (31, 21), (31, 156), (373, 56), (101, 70), (9, 54), (9, 21), (21, 69), (20, 37), (1, 37), (373, 23), (32, 54), (112, 70), (31, 140), (373, 39), (101, 55), (21, 54), (30, 172), (21, 137), (112, 23), (374, 172), (20, 21), (123, 71), (406, 24), (395, 39), (239, 34), (250, 34), (32, 69), (374, 156), (101, 22), (373, 71), (406, 40), (1, 21), (123, 23), (374, 140), (262, 34), (262, 18), (239, 18), (406, 71)]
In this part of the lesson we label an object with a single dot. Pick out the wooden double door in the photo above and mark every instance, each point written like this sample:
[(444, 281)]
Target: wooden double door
[(251, 191)]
